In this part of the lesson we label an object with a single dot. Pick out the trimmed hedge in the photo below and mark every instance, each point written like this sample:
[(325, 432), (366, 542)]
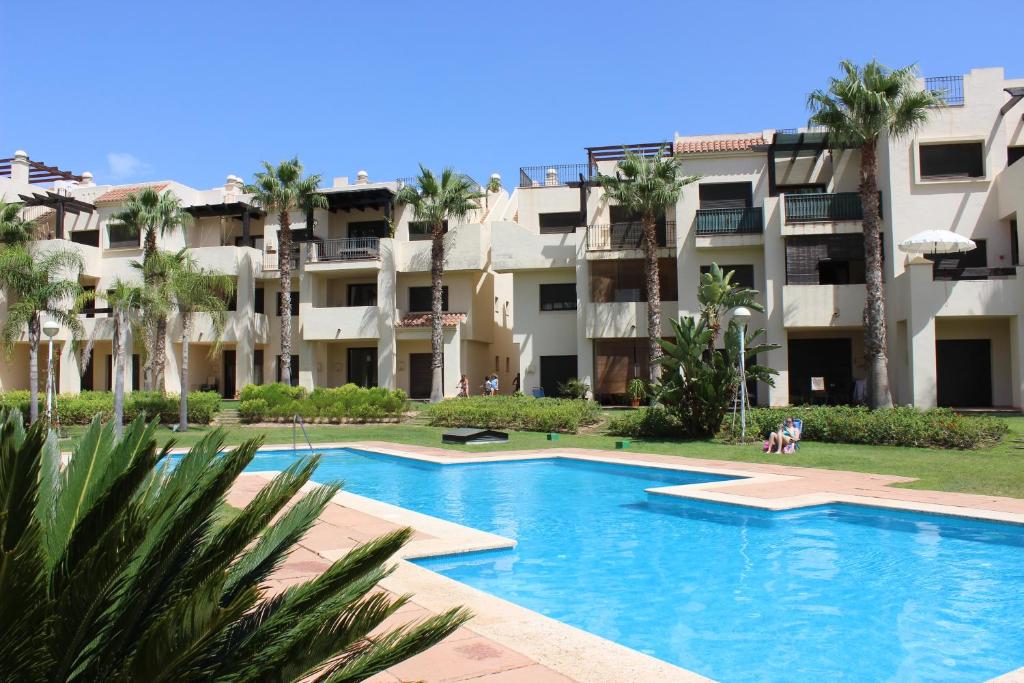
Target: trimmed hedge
[(649, 422), (515, 412), (935, 428), (79, 409), (349, 403)]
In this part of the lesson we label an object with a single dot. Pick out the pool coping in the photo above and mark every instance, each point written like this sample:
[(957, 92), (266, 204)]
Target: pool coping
[(569, 650)]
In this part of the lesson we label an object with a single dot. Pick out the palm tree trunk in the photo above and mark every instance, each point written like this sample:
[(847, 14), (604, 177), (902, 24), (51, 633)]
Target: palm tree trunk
[(147, 367), (186, 328), (149, 381), (159, 354), (875, 343), (284, 263), (120, 348), (436, 329), (33, 367), (653, 298)]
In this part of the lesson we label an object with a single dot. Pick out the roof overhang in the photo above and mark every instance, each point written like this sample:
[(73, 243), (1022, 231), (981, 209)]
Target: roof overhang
[(54, 200), (233, 209), (348, 198)]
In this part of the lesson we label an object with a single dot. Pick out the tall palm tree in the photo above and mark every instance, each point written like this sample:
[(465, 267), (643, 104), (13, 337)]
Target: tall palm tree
[(126, 300), (646, 186), (196, 290), (151, 213), (280, 190), (38, 286), (435, 201), (14, 228), (866, 104)]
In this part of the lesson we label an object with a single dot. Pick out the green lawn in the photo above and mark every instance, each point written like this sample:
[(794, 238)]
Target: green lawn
[(997, 471)]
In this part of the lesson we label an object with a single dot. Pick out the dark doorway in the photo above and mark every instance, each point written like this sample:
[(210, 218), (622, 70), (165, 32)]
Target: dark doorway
[(555, 371), (831, 360), (963, 369), (257, 366), (109, 375), (362, 366), (229, 374), (136, 372), (420, 375), (87, 379)]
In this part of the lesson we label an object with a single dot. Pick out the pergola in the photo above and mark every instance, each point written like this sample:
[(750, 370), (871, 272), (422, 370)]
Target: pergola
[(62, 204), (236, 210)]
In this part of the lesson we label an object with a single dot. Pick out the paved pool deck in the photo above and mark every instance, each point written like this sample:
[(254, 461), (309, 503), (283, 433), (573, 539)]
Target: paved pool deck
[(506, 643)]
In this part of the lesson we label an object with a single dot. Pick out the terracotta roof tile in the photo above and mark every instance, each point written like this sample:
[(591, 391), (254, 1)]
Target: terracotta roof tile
[(423, 319), (724, 145), (119, 194)]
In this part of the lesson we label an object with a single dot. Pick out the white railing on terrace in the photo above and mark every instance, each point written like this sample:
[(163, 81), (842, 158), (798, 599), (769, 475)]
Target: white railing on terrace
[(344, 249)]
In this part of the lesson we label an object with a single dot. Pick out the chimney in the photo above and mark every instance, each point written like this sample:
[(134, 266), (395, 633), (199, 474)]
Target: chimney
[(86, 180), (19, 167), (362, 178), (495, 181), (340, 181), (551, 177), (233, 185)]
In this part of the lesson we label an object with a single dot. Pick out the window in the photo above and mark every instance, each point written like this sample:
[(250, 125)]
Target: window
[(257, 366), (558, 222), (259, 303), (561, 297), (1014, 154), (294, 302), (232, 300), (825, 260), (952, 160), (87, 237), (420, 230), (800, 189), (420, 298), (294, 370), (623, 280), (726, 195), (1014, 244), (364, 294), (121, 237), (743, 275), (368, 229)]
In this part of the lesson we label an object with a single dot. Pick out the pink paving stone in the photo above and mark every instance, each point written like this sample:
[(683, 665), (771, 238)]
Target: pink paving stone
[(460, 659), (534, 673)]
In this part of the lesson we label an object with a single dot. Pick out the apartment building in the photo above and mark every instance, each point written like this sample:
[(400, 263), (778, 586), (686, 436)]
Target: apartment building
[(780, 208), (547, 282), (361, 277)]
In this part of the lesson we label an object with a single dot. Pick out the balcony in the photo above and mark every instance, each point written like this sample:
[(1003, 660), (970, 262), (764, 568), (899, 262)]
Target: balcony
[(824, 208), (345, 249), (339, 322), (942, 273), (739, 221), (270, 260), (621, 236), (951, 87), (621, 319), (552, 176)]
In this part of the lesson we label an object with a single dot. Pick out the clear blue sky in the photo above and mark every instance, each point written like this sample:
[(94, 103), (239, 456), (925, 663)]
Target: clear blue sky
[(196, 90)]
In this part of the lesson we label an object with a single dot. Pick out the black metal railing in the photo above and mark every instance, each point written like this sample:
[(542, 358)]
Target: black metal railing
[(941, 273), (820, 207), (344, 249), (92, 312), (609, 236), (552, 176), (951, 87), (738, 221)]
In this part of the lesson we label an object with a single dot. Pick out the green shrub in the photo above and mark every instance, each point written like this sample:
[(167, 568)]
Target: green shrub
[(645, 422), (573, 388), (935, 428), (279, 402), (514, 412), (79, 409)]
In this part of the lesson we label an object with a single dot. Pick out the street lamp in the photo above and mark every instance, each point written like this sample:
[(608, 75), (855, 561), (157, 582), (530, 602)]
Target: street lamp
[(50, 329), (741, 315)]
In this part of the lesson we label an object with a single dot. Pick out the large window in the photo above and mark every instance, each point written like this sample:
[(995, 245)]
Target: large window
[(121, 237), (726, 195), (419, 299), (558, 222), (825, 260), (743, 275), (623, 280), (259, 302), (969, 265), (560, 297), (368, 229), (362, 294), (294, 304), (420, 230), (952, 160)]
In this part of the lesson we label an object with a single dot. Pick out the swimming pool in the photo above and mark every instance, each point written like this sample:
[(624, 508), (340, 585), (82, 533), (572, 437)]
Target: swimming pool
[(733, 593)]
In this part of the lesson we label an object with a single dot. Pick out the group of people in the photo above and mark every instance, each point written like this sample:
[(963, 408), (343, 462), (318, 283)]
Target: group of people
[(489, 387)]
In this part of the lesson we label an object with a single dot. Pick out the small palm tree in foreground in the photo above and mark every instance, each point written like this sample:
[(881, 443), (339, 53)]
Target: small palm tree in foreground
[(152, 213), (126, 301), (280, 190), (646, 186), (869, 103), (14, 229), (38, 286), (120, 569), (436, 201)]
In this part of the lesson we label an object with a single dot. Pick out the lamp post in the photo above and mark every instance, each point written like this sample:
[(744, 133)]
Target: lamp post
[(50, 329), (741, 315)]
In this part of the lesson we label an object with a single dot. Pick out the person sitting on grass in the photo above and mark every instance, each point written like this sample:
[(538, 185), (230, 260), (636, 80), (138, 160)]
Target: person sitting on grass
[(780, 441)]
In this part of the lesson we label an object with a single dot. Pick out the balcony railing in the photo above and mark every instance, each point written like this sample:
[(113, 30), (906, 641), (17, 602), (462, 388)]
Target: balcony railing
[(952, 88), (739, 221), (613, 236), (552, 176), (270, 261), (345, 249), (825, 208), (940, 272)]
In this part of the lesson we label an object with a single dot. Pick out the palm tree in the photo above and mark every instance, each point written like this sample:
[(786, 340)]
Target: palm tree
[(868, 103), (196, 290), (118, 569), (38, 286), (718, 294), (126, 300), (281, 190), (14, 228), (151, 213), (646, 186), (436, 201)]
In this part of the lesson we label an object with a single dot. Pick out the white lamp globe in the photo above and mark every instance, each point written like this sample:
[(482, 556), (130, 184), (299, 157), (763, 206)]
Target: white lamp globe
[(741, 315), (51, 328)]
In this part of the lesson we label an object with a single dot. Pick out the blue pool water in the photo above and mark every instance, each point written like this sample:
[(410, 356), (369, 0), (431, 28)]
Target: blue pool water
[(736, 594)]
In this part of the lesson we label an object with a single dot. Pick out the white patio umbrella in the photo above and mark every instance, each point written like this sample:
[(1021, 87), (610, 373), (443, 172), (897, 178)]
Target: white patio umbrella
[(937, 242)]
